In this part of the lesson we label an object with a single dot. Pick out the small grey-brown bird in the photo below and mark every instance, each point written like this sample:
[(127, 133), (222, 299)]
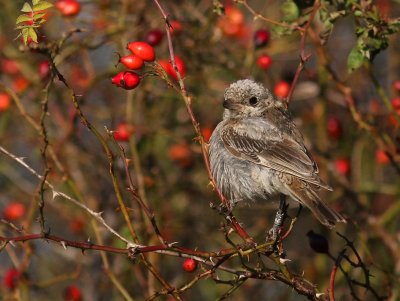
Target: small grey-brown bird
[(256, 152)]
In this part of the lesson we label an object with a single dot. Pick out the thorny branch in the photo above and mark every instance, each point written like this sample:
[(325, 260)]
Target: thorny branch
[(55, 192), (204, 147), (213, 260)]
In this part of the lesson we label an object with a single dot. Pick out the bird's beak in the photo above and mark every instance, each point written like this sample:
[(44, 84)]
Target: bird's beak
[(228, 104)]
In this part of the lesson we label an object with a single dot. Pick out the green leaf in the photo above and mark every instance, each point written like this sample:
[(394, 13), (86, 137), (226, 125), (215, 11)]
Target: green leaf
[(290, 11), (38, 16), (281, 30), (218, 8), (355, 59), (25, 33), (26, 8), (336, 14), (25, 26), (23, 18), (32, 33), (34, 2), (42, 6)]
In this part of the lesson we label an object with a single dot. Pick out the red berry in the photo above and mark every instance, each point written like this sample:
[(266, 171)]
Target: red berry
[(342, 166), (206, 132), (44, 69), (13, 211), (77, 225), (142, 50), (132, 61), (131, 80), (165, 65), (381, 157), (72, 293), (176, 27), (261, 38), (68, 8), (117, 79), (189, 265), (9, 66), (334, 127), (396, 104), (20, 84), (281, 89), (181, 154), (234, 15), (11, 278), (264, 61), (169, 69), (181, 68), (374, 106), (127, 80), (122, 132), (5, 101), (392, 120), (232, 24), (396, 85), (154, 37)]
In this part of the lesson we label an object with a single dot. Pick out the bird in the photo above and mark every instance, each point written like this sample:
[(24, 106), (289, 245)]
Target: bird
[(257, 153)]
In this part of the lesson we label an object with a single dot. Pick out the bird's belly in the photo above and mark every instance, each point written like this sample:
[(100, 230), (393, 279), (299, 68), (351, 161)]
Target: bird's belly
[(241, 180)]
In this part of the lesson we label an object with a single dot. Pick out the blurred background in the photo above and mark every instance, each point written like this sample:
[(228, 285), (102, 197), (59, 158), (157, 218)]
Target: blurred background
[(347, 108)]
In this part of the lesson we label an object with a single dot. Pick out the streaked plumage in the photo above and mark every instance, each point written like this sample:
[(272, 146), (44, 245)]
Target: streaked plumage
[(257, 152)]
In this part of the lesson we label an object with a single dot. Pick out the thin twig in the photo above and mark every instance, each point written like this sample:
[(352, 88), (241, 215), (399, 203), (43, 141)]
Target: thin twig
[(96, 215), (303, 56), (204, 147)]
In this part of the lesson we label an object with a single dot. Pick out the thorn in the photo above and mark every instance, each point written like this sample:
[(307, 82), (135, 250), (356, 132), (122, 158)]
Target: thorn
[(55, 194), (132, 245), (319, 295), (98, 214), (64, 245), (11, 242), (88, 240), (284, 260), (211, 260), (170, 245)]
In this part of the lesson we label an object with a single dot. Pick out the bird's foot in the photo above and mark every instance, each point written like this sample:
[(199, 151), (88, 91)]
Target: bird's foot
[(280, 217)]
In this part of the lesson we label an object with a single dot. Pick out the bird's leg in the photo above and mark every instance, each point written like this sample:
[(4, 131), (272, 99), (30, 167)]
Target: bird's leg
[(279, 217)]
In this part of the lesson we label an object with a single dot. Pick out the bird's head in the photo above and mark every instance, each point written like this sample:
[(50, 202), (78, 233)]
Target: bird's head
[(246, 98)]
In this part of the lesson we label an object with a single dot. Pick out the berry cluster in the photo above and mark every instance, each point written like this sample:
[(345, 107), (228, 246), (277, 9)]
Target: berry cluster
[(141, 52), (261, 38)]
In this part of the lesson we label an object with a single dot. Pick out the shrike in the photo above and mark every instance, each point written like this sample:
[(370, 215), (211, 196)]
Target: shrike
[(256, 152)]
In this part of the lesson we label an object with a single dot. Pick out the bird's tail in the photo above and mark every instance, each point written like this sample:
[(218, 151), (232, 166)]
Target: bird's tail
[(305, 195)]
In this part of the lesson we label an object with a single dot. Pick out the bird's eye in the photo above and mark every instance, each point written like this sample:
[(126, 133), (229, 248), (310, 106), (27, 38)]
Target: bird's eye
[(253, 101)]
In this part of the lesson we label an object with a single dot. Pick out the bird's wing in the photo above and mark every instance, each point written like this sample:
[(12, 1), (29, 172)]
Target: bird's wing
[(259, 141)]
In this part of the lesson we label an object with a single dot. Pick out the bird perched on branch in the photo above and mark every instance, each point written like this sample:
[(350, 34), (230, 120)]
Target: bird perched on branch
[(256, 152)]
